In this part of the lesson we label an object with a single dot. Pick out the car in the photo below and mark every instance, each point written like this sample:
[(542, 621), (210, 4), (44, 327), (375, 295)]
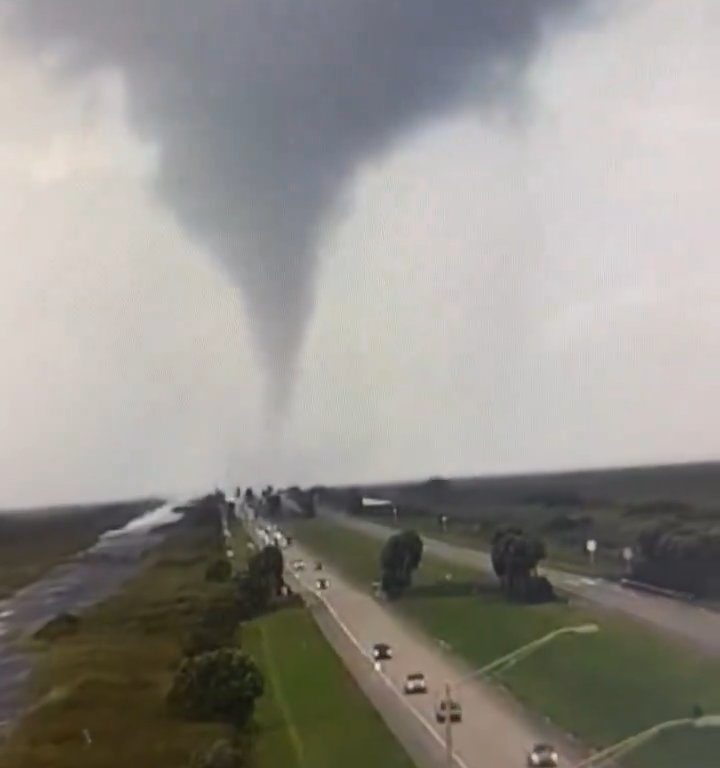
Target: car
[(415, 683), (381, 652), (452, 707), (318, 565), (543, 756), (322, 583), (298, 565)]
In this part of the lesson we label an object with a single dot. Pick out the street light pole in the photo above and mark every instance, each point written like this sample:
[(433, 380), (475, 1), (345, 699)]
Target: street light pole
[(520, 653), (448, 728), (635, 741), (504, 661)]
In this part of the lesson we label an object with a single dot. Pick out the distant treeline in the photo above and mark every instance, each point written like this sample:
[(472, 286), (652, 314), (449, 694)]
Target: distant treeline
[(694, 484), (679, 557)]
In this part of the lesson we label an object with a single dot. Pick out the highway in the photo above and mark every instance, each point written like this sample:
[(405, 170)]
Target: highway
[(494, 731), (696, 624)]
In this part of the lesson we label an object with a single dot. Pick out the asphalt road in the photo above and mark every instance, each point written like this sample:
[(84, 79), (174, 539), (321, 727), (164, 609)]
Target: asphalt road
[(696, 624), (494, 731)]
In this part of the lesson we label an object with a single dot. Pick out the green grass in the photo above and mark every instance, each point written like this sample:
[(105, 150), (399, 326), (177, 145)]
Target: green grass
[(111, 677), (600, 687), (313, 715), (475, 534)]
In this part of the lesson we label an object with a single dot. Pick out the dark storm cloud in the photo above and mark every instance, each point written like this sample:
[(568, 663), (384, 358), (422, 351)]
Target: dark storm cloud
[(263, 108)]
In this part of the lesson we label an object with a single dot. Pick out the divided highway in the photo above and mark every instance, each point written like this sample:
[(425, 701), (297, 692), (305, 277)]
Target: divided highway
[(494, 731), (696, 624)]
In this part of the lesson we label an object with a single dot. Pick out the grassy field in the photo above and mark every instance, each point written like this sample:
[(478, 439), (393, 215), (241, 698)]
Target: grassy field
[(111, 677), (600, 687), (33, 541), (109, 680), (313, 715), (478, 534), (566, 509)]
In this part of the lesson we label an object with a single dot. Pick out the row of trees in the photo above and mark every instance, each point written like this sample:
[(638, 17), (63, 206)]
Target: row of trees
[(216, 680), (515, 558)]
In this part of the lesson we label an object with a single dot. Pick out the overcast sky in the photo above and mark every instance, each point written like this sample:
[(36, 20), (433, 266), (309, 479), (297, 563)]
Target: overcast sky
[(516, 280)]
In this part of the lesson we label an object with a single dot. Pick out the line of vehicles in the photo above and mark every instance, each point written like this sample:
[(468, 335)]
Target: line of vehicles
[(541, 755)]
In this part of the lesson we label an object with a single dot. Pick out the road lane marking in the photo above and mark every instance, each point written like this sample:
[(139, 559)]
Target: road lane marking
[(388, 682)]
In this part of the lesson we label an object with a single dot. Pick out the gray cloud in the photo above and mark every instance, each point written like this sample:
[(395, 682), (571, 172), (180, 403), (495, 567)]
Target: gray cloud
[(262, 109)]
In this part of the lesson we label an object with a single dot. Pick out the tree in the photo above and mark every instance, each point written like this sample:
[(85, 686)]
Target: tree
[(262, 580), (219, 685), (501, 541), (254, 592), (399, 557), (273, 504), (219, 570), (354, 503), (269, 562), (515, 557)]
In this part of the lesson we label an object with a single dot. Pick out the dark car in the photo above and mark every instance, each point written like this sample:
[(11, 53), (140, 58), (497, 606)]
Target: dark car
[(322, 584), (381, 652), (318, 566), (543, 756), (454, 709)]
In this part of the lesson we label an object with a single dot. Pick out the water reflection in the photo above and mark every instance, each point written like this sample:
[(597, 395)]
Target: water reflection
[(71, 587)]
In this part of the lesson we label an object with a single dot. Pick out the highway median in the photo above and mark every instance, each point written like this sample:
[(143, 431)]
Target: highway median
[(599, 689)]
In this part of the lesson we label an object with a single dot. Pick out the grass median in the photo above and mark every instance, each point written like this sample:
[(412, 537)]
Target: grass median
[(600, 687), (313, 715), (100, 691)]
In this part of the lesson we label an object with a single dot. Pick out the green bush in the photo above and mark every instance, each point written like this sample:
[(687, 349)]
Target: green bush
[(63, 624), (217, 685), (219, 570)]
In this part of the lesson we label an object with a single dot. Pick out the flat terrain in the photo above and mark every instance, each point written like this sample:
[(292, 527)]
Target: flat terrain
[(33, 541), (694, 624), (111, 677), (100, 693), (494, 731), (610, 506), (600, 687), (313, 714)]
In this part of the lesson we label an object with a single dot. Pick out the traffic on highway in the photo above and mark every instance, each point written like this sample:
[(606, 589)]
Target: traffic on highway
[(472, 723)]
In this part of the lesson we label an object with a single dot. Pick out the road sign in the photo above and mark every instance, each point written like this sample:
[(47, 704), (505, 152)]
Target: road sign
[(627, 553), (591, 545)]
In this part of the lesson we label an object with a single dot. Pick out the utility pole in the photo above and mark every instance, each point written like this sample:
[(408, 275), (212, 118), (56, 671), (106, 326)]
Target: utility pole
[(448, 728)]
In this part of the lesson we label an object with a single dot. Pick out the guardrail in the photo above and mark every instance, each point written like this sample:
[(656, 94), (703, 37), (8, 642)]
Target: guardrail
[(642, 586)]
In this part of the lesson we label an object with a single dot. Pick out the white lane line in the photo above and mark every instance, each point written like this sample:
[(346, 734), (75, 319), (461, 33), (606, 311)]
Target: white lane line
[(388, 682)]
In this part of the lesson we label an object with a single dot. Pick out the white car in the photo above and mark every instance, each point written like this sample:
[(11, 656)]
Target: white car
[(543, 756), (322, 584), (415, 683), (298, 565)]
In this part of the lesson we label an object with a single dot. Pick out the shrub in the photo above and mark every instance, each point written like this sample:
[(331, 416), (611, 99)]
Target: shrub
[(217, 685), (219, 570), (540, 590), (63, 624)]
